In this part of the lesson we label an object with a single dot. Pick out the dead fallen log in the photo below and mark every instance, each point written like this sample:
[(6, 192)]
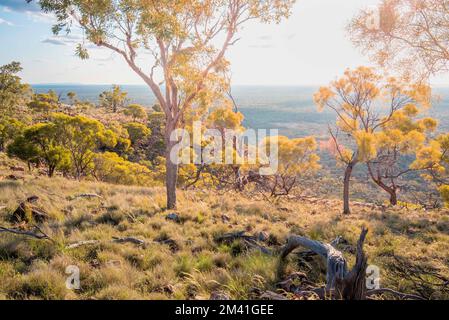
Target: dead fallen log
[(78, 244), (309, 254), (133, 240), (40, 235), (340, 283), (82, 243), (87, 195)]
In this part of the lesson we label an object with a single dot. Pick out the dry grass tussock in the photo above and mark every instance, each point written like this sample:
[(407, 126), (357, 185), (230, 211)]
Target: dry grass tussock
[(182, 259)]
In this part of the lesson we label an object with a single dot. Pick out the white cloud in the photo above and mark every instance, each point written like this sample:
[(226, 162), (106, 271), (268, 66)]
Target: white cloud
[(31, 9), (56, 42), (3, 21), (37, 16), (64, 40)]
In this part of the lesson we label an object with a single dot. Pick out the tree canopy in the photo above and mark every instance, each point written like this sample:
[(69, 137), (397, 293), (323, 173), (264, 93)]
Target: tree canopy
[(366, 102), (184, 41), (407, 35), (13, 93), (136, 111), (113, 99)]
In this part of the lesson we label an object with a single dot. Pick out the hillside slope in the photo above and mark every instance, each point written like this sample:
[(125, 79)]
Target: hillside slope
[(182, 258)]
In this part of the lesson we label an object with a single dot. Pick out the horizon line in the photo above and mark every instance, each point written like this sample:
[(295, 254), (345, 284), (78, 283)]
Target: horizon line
[(437, 85), (142, 84)]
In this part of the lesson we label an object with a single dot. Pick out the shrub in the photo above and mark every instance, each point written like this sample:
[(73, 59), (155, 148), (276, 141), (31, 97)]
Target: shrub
[(41, 284), (183, 266), (110, 167)]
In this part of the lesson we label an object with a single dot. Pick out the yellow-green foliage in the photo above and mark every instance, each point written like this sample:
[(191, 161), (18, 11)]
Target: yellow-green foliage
[(365, 145), (137, 131), (113, 99), (9, 129), (444, 191), (297, 156), (434, 158), (44, 102), (110, 167), (225, 118), (136, 111), (41, 143), (296, 159), (13, 93), (359, 96), (81, 136)]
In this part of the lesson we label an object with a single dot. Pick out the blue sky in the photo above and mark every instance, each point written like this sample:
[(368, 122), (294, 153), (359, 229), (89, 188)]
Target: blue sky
[(310, 48)]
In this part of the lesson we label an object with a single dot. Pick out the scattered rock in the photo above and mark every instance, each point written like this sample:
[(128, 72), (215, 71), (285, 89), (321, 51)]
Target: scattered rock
[(169, 289), (17, 168), (173, 217), (262, 236), (196, 250), (219, 295), (171, 244), (114, 263), (270, 295), (225, 218), (294, 282), (32, 199), (13, 177)]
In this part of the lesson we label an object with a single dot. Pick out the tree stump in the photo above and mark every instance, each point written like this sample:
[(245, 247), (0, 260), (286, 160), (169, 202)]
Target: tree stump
[(340, 283)]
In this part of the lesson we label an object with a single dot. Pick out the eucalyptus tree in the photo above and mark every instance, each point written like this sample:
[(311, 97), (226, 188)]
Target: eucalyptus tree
[(13, 93), (366, 103), (176, 47), (407, 35)]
